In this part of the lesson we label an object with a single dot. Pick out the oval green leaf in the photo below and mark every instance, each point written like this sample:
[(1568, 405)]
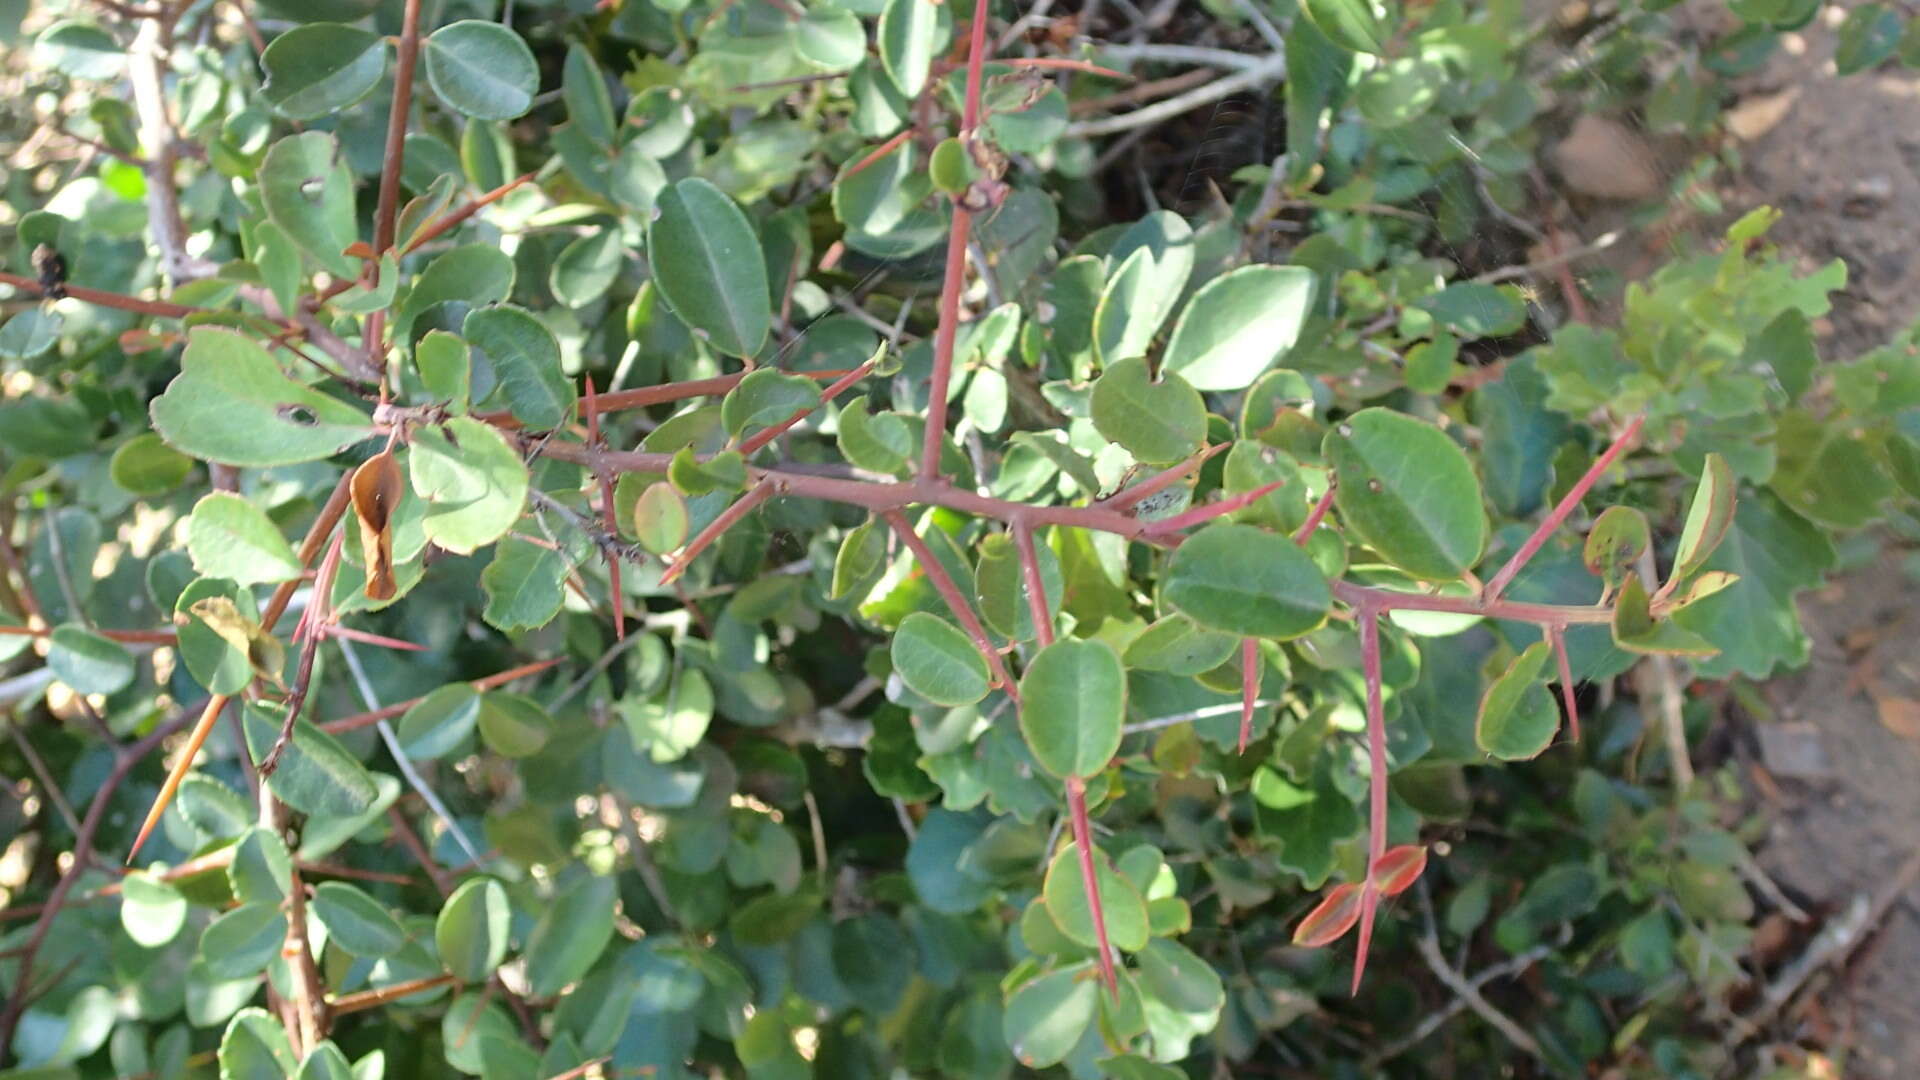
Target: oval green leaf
[(355, 921), (1409, 492), (1157, 422), (320, 69), (471, 931), (1245, 581), (938, 662), (1238, 325), (707, 261), (1073, 697), (1120, 902), (481, 69)]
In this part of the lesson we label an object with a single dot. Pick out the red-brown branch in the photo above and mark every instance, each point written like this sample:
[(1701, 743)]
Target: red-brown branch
[(102, 298), (957, 602), (958, 237), (1565, 507), (396, 152)]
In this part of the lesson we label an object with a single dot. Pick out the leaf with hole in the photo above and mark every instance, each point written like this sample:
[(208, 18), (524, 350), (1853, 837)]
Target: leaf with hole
[(307, 189), (1615, 543), (232, 404), (1157, 421)]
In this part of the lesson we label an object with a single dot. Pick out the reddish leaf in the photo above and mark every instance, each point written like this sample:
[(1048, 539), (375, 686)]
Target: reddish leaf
[(1330, 921), (1399, 868)]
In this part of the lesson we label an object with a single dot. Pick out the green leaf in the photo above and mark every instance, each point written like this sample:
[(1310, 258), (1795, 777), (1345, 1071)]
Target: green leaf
[(446, 370), (307, 190), (231, 538), (325, 1062), (525, 585), (355, 921), (1046, 1017), (88, 662), (878, 442), (1245, 581), (587, 267), (937, 661), (1120, 902), (254, 1047), (243, 941), (1073, 697), (1409, 492), (439, 722), (1755, 624), (1867, 38), (146, 465), (1829, 473), (231, 404), (151, 911), (321, 69), (584, 86), (513, 725), (1350, 24), (570, 935), (1518, 718), (1238, 325), (473, 275), (707, 262), (874, 958), (1001, 585), (1310, 820), (526, 360), (81, 49), (1157, 422), (1179, 646), (261, 867), (765, 398), (1154, 259), (1472, 309), (1616, 541), (475, 484), (29, 335), (1171, 975), (672, 721), (470, 933), (1708, 519), (912, 33), (316, 775), (481, 69), (45, 428), (830, 39), (1636, 630), (660, 520)]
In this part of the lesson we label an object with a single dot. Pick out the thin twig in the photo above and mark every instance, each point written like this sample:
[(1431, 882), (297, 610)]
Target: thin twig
[(1272, 68), (1666, 685), (399, 755)]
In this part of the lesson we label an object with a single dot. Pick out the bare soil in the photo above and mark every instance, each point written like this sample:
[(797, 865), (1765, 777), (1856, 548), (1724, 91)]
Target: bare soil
[(1841, 157)]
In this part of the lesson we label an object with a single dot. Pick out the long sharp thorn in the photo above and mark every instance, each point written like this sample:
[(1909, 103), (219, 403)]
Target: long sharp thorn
[(1376, 782), (201, 729), (1558, 636)]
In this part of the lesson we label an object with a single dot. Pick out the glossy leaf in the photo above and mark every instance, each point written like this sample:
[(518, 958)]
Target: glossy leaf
[(1238, 325), (1409, 492), (526, 360), (355, 921), (316, 775), (1708, 518), (1046, 1016), (88, 662)]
